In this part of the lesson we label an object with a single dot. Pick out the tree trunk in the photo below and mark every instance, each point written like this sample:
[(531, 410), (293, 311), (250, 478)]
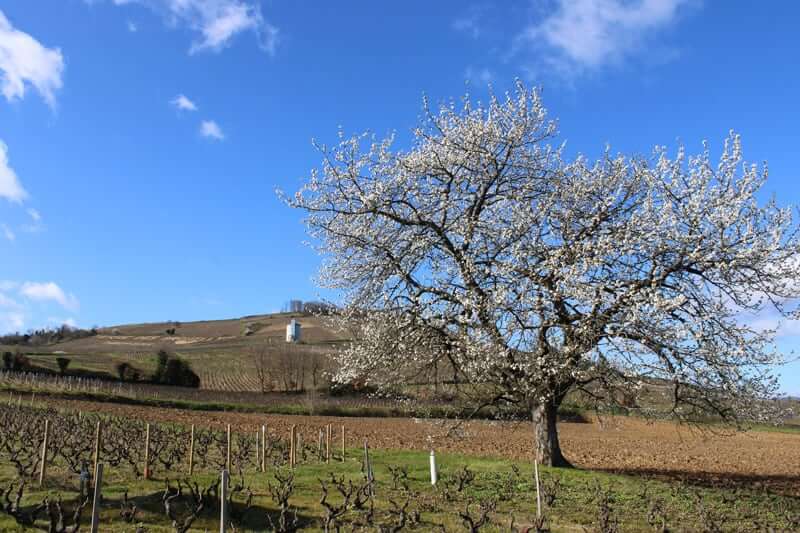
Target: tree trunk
[(547, 448)]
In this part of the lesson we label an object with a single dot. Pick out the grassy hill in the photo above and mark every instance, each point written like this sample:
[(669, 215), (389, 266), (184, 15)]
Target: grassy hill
[(222, 352)]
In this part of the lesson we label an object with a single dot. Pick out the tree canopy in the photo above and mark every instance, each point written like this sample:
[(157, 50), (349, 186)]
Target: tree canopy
[(532, 274)]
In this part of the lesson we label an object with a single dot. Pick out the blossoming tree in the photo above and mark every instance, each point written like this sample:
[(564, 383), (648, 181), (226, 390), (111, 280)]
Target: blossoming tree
[(481, 247)]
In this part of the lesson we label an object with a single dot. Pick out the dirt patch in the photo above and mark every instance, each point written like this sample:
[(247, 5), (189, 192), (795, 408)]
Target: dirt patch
[(624, 445)]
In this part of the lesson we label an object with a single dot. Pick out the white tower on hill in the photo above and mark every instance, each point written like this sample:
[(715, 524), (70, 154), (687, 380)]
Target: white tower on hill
[(293, 331)]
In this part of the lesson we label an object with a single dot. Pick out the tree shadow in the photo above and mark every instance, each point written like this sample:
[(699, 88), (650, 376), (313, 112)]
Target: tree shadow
[(784, 485), (253, 517)]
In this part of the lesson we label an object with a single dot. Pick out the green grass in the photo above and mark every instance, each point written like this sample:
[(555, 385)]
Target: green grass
[(575, 506)]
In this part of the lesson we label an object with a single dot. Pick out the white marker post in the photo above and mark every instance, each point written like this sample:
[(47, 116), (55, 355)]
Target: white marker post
[(433, 468)]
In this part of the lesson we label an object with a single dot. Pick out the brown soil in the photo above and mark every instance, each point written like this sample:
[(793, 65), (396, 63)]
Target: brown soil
[(618, 444)]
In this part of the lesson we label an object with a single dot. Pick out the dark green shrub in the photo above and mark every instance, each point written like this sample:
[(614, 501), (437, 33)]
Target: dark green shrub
[(172, 370), (62, 363), (128, 372), (8, 360), (161, 365), (178, 372), (20, 362), (122, 370)]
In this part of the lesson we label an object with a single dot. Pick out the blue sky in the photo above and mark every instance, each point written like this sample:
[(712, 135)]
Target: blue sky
[(143, 140)]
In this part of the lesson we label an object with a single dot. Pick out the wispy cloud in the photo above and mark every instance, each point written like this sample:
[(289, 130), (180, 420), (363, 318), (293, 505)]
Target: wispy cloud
[(479, 76), (10, 186), (211, 130), (583, 35), (36, 225), (183, 103), (58, 321), (7, 233), (216, 22), (49, 291), (8, 285), (25, 61), (8, 303), (783, 327), (470, 22), (17, 311), (12, 321), (132, 27)]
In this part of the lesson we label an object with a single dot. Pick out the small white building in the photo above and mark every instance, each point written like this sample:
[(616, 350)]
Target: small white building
[(293, 331)]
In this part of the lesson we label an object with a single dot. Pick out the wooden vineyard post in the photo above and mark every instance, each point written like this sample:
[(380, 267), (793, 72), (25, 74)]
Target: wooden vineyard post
[(368, 468), (319, 445), (538, 494), (191, 451), (328, 429), (258, 452), (343, 442), (43, 466), (299, 446), (228, 458), (263, 448), (223, 501), (147, 451), (97, 435), (98, 482)]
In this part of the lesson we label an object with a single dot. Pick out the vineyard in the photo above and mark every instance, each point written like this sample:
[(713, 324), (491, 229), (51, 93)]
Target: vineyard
[(163, 476), (220, 351), (163, 448)]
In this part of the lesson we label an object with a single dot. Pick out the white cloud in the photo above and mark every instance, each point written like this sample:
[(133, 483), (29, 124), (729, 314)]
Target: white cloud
[(210, 129), (270, 37), (481, 76), (7, 302), (183, 103), (10, 187), (49, 291), (12, 321), (36, 225), (56, 321), (784, 327), (587, 34), (18, 313), (24, 60), (216, 22), (469, 23), (132, 27), (7, 233)]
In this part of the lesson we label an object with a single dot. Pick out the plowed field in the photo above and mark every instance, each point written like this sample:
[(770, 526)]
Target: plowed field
[(625, 445)]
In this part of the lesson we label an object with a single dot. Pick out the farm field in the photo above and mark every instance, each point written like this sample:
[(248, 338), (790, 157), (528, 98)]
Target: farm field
[(629, 471), (618, 444), (220, 351), (477, 490)]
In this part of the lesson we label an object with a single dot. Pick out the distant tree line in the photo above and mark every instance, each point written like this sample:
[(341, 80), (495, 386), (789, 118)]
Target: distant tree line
[(40, 337), (312, 307)]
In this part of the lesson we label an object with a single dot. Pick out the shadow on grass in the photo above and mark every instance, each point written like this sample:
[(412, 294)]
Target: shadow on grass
[(785, 485), (249, 517)]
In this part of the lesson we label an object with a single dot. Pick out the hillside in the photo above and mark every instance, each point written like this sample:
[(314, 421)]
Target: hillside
[(222, 352)]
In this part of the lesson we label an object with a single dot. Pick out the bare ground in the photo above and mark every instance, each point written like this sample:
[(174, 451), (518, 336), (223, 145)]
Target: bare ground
[(766, 459)]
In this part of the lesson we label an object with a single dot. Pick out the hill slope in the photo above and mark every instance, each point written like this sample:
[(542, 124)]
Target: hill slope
[(222, 352)]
